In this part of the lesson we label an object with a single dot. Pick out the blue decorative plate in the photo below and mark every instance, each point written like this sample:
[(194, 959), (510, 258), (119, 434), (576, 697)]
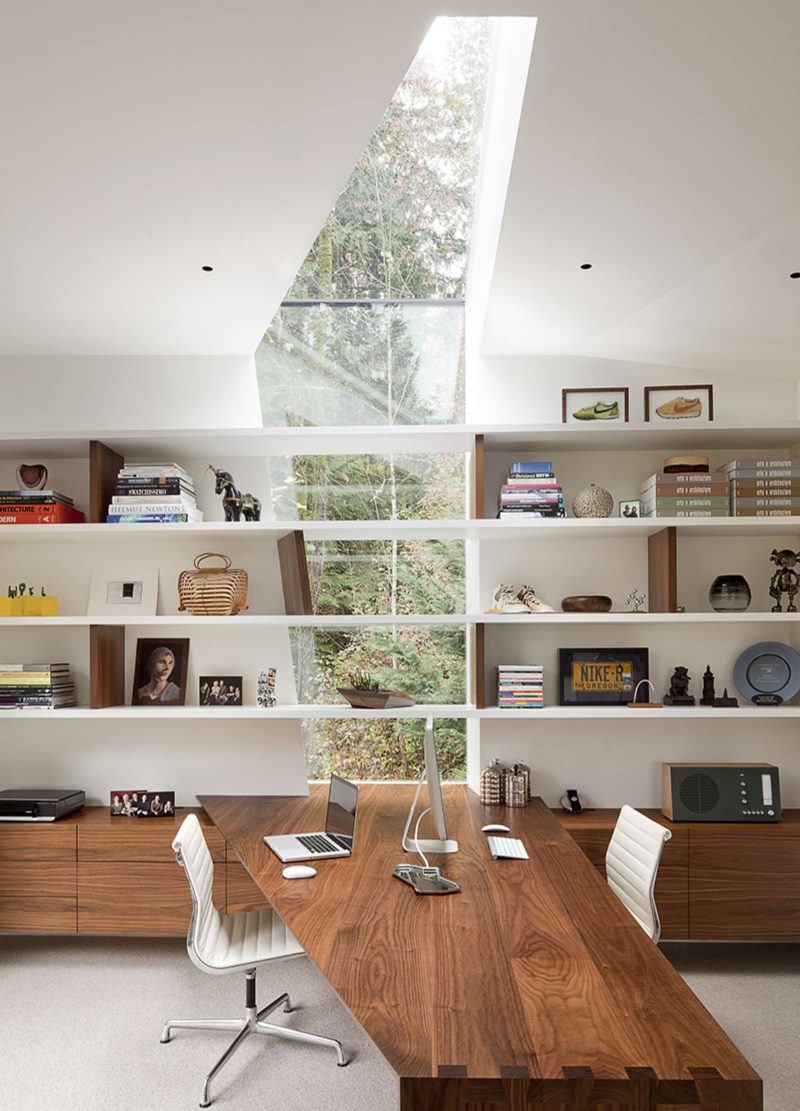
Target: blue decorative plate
[(768, 674)]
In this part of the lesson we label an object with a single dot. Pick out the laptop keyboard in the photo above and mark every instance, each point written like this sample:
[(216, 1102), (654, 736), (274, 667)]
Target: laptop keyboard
[(318, 844)]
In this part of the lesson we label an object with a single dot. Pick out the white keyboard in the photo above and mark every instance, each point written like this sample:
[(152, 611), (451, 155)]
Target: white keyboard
[(508, 847)]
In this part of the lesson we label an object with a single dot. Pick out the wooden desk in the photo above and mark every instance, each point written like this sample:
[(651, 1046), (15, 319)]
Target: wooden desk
[(534, 987)]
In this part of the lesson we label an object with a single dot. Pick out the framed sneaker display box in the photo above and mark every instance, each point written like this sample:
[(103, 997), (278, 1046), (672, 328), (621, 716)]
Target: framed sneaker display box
[(581, 406), (676, 403), (600, 676)]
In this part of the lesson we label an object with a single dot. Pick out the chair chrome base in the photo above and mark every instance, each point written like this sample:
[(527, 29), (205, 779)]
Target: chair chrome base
[(252, 1024)]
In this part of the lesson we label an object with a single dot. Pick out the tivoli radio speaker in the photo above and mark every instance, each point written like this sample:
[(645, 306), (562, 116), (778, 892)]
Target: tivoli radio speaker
[(720, 792)]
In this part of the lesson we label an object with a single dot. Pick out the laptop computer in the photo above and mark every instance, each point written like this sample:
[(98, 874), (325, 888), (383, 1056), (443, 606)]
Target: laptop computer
[(337, 837)]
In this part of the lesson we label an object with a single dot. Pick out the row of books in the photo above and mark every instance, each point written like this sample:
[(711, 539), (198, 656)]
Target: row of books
[(520, 686), (741, 488), (531, 488), (153, 492), (38, 507), (763, 487), (47, 686)]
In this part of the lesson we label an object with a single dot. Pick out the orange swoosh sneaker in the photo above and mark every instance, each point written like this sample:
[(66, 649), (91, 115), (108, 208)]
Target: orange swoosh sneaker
[(681, 407)]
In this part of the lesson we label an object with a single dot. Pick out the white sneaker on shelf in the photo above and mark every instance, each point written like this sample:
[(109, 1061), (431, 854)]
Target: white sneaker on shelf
[(506, 600), (527, 595)]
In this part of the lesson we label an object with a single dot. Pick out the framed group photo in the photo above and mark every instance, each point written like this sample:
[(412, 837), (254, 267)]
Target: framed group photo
[(220, 690), (583, 406), (159, 675)]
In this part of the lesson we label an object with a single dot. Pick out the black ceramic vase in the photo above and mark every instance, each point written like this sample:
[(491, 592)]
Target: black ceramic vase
[(729, 594)]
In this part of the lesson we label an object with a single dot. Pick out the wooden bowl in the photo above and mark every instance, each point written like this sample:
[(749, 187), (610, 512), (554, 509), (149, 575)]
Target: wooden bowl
[(375, 700), (586, 603)]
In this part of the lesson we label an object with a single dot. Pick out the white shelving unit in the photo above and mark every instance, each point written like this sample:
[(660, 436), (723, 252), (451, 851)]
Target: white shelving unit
[(614, 762)]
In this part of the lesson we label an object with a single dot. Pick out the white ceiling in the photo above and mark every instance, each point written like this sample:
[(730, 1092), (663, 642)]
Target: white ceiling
[(658, 141)]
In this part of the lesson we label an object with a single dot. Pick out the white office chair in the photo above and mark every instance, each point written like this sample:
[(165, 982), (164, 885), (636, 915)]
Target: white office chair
[(632, 862), (221, 943)]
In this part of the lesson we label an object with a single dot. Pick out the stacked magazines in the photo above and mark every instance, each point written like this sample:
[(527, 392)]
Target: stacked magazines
[(531, 488), (763, 487), (153, 492), (520, 686), (38, 507), (36, 687)]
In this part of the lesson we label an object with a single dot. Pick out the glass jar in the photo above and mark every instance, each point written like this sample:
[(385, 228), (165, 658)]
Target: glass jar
[(729, 594)]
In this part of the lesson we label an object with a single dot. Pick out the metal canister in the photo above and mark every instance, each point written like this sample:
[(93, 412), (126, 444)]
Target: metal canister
[(491, 785), (523, 769), (516, 789)]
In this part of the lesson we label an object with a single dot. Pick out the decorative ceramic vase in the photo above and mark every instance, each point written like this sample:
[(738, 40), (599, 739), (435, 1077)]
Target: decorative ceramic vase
[(31, 476), (594, 501), (729, 594)]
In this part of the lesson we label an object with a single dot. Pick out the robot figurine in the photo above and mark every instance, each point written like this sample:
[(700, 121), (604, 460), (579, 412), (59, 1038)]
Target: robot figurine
[(785, 580)]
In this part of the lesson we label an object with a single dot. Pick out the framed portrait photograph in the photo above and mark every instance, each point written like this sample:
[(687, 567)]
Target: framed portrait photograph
[(220, 690), (600, 676), (123, 591), (630, 508), (159, 675), (584, 406), (125, 804), (676, 403)]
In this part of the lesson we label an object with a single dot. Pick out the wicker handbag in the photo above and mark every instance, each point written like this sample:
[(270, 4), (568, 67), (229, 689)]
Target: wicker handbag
[(213, 591)]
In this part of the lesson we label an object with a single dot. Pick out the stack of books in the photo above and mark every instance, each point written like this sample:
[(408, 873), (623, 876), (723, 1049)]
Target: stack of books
[(763, 487), (685, 495), (38, 507), (36, 687), (153, 492), (531, 488), (520, 686)]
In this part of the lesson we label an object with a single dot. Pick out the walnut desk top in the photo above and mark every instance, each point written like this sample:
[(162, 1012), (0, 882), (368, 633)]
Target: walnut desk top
[(533, 987)]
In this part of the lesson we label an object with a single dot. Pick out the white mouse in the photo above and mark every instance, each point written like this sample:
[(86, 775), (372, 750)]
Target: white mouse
[(299, 872), (495, 827)]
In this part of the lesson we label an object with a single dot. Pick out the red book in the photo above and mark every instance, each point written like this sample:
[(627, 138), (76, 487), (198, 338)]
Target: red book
[(40, 515)]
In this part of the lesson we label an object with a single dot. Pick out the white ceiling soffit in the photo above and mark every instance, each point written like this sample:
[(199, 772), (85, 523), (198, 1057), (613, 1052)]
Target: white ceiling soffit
[(143, 141), (660, 142)]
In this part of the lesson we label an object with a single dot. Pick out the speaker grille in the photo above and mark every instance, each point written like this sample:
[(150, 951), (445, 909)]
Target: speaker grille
[(699, 793)]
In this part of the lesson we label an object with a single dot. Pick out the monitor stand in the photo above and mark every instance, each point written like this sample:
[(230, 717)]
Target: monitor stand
[(410, 845)]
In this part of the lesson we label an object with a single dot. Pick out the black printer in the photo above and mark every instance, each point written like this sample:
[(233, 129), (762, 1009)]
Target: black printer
[(39, 804)]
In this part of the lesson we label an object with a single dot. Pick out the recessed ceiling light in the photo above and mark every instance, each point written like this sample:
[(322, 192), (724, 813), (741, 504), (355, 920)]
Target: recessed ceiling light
[(586, 266), (207, 269), (795, 274)]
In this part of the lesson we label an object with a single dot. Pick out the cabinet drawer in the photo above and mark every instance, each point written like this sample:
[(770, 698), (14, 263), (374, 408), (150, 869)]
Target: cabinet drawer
[(148, 840), (24, 914), (37, 841), (746, 887), (672, 882), (38, 878), (243, 892), (137, 898)]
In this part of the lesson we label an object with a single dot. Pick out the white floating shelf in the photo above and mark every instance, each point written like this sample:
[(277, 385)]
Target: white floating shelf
[(705, 618), (214, 713), (400, 439), (604, 713)]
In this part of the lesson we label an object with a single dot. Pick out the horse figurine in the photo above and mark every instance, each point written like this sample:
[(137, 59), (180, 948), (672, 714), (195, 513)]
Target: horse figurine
[(234, 503)]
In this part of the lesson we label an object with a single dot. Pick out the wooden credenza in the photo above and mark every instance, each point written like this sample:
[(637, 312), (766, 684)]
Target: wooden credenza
[(717, 881), (93, 874)]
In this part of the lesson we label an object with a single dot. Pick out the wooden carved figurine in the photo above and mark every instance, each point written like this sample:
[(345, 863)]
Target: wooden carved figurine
[(785, 579), (679, 689), (234, 503)]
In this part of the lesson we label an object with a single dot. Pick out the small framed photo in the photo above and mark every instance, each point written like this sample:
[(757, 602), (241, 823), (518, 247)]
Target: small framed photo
[(676, 403), (586, 406), (600, 676), (630, 508), (159, 677), (124, 592), (220, 690), (125, 804)]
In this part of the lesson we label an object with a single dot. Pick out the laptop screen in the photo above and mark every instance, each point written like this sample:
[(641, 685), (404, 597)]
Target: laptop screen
[(342, 800)]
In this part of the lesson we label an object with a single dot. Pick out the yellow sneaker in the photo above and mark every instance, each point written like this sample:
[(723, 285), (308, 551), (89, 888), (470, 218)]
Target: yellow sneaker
[(681, 407)]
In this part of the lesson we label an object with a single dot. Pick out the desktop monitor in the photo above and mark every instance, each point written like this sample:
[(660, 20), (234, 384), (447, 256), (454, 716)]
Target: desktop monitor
[(442, 844)]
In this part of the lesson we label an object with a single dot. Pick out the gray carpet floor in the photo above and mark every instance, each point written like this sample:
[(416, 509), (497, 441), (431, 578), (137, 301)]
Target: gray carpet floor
[(80, 1021)]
